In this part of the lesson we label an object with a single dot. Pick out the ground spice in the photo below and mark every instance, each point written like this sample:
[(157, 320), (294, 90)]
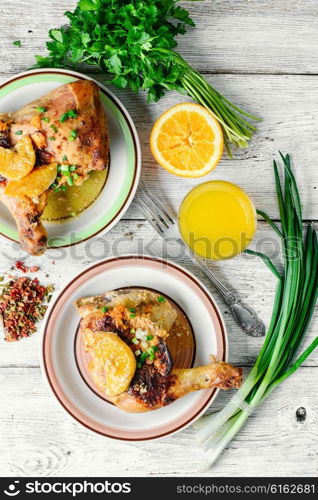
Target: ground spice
[(23, 302), (22, 267)]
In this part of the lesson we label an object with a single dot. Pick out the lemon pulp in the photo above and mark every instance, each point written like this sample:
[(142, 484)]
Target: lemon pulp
[(217, 220)]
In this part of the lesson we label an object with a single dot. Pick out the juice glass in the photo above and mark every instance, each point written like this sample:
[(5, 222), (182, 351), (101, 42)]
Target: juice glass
[(217, 220)]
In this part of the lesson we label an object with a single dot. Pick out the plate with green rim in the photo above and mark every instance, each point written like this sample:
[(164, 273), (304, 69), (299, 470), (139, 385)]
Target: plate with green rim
[(124, 167)]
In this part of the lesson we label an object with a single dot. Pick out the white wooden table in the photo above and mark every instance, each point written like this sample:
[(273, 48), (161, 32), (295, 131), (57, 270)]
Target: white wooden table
[(263, 54)]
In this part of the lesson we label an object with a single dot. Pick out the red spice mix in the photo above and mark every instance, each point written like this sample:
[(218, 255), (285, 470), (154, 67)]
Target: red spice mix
[(22, 267)]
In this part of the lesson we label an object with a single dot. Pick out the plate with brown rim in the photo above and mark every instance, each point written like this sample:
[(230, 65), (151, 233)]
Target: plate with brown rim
[(63, 360)]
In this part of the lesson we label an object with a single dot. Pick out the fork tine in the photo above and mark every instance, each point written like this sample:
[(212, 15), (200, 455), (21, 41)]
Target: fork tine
[(162, 212), (151, 217), (153, 209)]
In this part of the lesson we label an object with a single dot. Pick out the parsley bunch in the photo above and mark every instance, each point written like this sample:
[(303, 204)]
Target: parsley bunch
[(134, 41)]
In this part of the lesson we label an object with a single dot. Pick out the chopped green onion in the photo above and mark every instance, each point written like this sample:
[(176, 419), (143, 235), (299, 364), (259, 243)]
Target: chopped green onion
[(132, 310), (64, 117), (135, 341), (143, 357), (138, 365), (17, 43), (68, 114), (18, 132), (105, 309), (75, 176), (52, 138), (64, 158), (155, 348), (149, 337), (63, 188), (70, 139), (132, 315), (132, 330), (54, 128), (40, 109), (72, 114), (161, 299), (73, 133), (73, 168), (138, 352), (47, 120)]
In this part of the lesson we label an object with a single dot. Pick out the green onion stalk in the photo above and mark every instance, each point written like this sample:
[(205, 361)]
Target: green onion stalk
[(236, 129), (294, 303)]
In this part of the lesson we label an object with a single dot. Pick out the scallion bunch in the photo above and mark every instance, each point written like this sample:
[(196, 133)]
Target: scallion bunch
[(295, 300)]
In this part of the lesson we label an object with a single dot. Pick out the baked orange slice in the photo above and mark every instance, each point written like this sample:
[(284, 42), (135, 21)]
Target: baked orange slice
[(33, 184), (112, 363), (187, 140), (17, 163)]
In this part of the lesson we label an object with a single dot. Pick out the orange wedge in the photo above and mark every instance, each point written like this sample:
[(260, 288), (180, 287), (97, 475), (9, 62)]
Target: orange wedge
[(17, 163), (187, 140), (33, 184)]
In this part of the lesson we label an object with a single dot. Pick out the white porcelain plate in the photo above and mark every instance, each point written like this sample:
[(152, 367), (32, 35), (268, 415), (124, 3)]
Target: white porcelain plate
[(59, 361), (125, 159)]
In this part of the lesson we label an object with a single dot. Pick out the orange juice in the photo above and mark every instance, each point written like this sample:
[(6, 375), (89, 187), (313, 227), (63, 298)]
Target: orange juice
[(217, 220)]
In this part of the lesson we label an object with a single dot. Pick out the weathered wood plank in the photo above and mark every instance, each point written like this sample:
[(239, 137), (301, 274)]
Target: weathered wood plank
[(290, 121), (255, 36), (47, 442), (245, 274)]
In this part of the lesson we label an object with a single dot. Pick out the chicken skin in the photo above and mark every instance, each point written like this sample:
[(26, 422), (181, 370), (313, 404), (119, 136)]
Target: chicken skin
[(143, 320), (66, 126)]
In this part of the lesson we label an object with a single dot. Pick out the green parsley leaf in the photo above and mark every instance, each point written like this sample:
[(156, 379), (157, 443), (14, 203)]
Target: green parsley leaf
[(56, 35), (89, 4), (134, 41), (17, 43)]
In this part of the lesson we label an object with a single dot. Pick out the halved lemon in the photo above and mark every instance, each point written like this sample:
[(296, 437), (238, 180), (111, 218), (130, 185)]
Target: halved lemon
[(187, 140)]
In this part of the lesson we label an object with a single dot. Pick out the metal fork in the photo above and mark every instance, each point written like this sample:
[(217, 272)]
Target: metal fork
[(167, 227)]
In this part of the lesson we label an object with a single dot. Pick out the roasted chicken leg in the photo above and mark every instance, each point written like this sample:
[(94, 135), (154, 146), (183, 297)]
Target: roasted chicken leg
[(143, 320), (150, 391), (67, 126)]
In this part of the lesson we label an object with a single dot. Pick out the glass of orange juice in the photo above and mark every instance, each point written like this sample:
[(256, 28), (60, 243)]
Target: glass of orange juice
[(217, 220)]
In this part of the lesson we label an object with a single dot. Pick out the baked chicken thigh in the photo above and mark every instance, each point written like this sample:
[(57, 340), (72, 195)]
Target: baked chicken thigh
[(142, 320), (65, 127)]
